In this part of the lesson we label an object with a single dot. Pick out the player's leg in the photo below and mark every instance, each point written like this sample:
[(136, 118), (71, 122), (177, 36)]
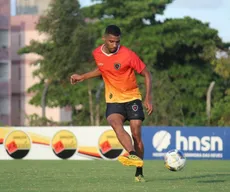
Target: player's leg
[(116, 122), (116, 115), (135, 115), (135, 126)]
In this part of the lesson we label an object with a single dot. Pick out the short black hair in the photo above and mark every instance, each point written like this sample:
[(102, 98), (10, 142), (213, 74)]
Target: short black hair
[(113, 30)]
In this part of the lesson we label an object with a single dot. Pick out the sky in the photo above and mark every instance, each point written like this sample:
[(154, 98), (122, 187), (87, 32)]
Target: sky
[(215, 12)]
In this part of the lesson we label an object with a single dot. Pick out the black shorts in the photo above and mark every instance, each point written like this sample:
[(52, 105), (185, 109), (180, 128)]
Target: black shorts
[(130, 110)]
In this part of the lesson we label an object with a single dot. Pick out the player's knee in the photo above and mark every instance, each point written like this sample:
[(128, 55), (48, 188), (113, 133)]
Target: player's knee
[(115, 123)]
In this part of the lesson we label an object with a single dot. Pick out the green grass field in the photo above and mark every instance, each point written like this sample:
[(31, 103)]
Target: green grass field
[(110, 176)]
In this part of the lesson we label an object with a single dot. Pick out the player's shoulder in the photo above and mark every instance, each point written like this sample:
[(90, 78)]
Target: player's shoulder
[(126, 50)]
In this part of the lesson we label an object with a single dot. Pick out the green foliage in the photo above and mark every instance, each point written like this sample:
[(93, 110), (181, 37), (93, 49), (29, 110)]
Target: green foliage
[(69, 44), (130, 16), (127, 14), (67, 50), (222, 66), (61, 21), (35, 120), (182, 40), (221, 113)]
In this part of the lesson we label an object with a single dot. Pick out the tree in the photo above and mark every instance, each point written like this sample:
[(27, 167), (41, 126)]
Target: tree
[(130, 16), (183, 50), (66, 50), (221, 114), (179, 53)]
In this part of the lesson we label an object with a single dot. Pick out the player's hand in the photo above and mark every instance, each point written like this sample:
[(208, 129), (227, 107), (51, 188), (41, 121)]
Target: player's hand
[(148, 105), (75, 78)]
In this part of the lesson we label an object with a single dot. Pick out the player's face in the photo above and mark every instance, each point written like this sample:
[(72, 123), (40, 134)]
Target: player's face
[(111, 43)]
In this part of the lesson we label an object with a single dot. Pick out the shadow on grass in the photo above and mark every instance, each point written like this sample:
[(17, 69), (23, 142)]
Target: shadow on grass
[(217, 176), (212, 181)]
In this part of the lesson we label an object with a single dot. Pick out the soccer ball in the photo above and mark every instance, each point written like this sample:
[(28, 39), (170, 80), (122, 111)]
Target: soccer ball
[(174, 160)]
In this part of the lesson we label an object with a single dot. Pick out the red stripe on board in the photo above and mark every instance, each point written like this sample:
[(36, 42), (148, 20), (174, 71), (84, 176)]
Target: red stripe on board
[(40, 143), (90, 154)]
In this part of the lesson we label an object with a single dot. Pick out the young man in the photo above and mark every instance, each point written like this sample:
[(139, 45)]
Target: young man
[(116, 64)]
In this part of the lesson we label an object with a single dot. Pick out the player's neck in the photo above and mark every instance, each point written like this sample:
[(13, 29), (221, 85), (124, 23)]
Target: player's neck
[(105, 50)]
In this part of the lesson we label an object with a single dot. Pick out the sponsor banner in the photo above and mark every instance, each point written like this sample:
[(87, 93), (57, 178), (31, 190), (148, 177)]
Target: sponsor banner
[(195, 142), (87, 143), (50, 143)]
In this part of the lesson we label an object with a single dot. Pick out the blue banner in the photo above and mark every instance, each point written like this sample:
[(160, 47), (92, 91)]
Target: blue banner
[(195, 142)]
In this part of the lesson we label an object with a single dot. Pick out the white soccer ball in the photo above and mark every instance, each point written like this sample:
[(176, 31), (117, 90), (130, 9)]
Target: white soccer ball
[(174, 160)]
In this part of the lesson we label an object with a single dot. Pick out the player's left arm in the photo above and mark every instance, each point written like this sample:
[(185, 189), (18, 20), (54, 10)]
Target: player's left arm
[(148, 84), (138, 65)]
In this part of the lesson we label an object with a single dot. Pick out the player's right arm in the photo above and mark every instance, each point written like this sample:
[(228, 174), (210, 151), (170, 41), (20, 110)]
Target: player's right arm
[(75, 78)]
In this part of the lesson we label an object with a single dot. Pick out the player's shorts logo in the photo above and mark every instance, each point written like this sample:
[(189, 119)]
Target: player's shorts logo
[(109, 146), (117, 66), (64, 144), (17, 144), (135, 107)]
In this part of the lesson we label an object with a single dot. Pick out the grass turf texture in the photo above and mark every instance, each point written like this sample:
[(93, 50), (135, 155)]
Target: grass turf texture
[(110, 176)]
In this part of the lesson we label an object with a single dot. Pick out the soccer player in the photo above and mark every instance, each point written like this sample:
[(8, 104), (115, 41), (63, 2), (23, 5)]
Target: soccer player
[(117, 65)]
